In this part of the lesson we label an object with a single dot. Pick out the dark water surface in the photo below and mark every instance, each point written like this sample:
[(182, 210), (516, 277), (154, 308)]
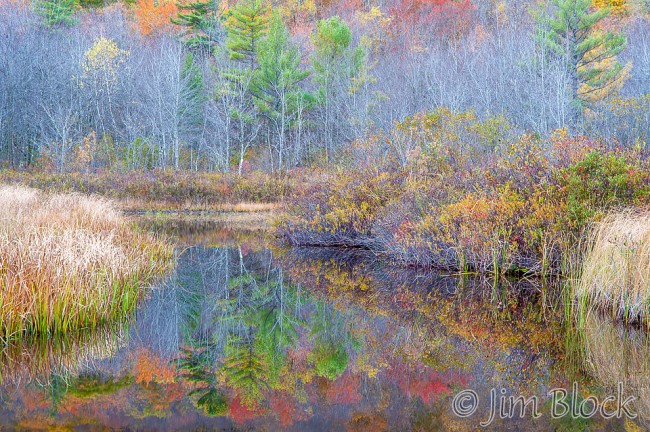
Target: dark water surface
[(244, 335)]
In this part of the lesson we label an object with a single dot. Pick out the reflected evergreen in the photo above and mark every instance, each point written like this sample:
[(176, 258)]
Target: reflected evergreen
[(193, 367), (245, 369), (332, 337), (228, 339), (249, 317)]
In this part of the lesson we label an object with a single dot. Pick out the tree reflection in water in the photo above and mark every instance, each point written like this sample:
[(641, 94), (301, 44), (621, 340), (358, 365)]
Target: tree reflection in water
[(302, 338)]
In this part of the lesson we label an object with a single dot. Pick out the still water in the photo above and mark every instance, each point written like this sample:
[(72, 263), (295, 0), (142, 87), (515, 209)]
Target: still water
[(244, 335)]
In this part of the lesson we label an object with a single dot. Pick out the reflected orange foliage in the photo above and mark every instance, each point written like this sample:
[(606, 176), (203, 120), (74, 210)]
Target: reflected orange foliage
[(345, 390), (286, 409), (429, 385), (240, 412), (148, 368), (33, 401)]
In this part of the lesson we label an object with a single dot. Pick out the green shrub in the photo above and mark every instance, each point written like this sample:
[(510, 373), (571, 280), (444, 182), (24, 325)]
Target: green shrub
[(602, 181)]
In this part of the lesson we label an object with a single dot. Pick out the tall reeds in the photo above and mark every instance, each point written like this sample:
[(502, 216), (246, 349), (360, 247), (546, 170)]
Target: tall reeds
[(69, 262), (615, 273)]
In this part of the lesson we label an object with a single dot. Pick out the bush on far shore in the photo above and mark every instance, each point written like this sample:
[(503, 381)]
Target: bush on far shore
[(450, 191)]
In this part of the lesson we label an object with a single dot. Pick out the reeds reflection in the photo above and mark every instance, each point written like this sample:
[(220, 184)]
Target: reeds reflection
[(618, 354), (246, 335), (39, 359)]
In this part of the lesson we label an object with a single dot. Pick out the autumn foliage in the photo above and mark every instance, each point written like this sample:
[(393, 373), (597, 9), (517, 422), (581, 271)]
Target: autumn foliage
[(154, 16), (167, 189), (420, 19), (149, 368), (459, 193)]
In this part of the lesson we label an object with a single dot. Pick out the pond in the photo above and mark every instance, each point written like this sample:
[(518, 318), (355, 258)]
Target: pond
[(247, 335)]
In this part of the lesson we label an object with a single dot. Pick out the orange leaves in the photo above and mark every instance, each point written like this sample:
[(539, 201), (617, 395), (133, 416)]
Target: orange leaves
[(480, 226), (427, 384), (286, 409), (570, 149), (150, 368), (153, 16)]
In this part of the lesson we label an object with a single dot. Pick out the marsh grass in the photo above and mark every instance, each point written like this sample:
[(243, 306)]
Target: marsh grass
[(160, 190), (69, 262), (615, 271)]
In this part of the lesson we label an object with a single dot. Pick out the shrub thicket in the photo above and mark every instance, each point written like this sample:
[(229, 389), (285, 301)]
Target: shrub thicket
[(450, 191)]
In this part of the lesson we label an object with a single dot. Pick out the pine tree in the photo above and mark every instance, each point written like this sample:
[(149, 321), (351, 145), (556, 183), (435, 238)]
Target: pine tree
[(572, 35), (57, 12), (247, 24), (201, 20), (336, 62), (275, 83), (190, 107)]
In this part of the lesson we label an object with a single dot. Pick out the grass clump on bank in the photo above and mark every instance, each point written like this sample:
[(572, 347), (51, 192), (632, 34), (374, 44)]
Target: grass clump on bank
[(69, 262), (615, 276)]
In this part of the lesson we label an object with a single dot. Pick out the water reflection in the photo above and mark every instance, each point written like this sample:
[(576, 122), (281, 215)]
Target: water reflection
[(242, 335), (39, 359), (614, 354)]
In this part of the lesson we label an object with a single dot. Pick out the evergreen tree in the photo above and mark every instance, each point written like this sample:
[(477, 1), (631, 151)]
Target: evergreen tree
[(247, 24), (573, 36), (335, 64), (190, 107), (99, 3), (201, 20), (276, 86), (57, 12)]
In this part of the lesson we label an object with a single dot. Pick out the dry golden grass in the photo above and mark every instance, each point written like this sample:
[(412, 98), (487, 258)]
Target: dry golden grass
[(69, 262), (136, 204), (616, 268)]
